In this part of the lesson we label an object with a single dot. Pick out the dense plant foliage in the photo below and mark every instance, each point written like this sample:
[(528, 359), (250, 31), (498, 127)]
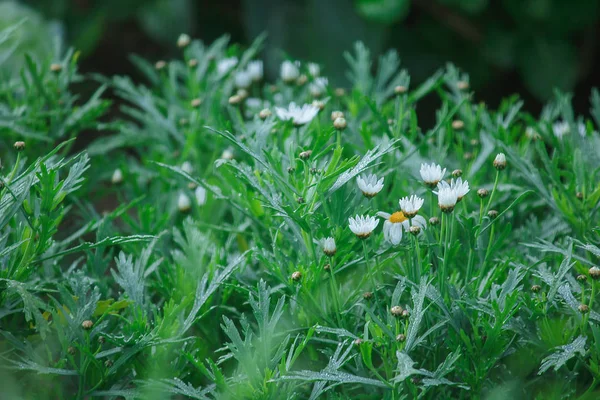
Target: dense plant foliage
[(241, 239)]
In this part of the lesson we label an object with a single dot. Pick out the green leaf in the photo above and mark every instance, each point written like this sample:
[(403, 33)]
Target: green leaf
[(563, 354)]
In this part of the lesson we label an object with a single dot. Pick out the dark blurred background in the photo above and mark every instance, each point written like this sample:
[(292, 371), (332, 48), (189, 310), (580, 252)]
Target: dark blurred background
[(507, 46)]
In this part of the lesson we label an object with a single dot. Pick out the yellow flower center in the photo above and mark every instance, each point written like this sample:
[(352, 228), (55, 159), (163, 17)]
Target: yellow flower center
[(397, 217)]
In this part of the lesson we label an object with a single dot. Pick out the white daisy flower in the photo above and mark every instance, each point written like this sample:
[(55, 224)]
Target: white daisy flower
[(298, 115), (318, 87), (396, 223), (329, 247), (447, 198), (459, 186), (410, 206), (363, 225), (255, 69), (560, 129), (200, 194), (243, 80), (187, 167), (314, 69), (290, 71), (117, 177), (183, 202), (432, 174), (225, 65), (369, 185)]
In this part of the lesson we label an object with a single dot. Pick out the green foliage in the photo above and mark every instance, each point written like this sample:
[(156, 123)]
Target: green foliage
[(183, 255)]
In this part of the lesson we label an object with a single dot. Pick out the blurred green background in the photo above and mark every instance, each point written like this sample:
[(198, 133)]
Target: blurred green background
[(507, 46)]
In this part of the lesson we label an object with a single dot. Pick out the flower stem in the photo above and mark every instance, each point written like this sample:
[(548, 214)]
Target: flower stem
[(335, 292), (369, 272), (493, 191)]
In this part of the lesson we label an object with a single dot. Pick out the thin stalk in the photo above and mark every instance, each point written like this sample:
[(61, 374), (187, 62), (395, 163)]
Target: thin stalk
[(489, 246), (487, 208), (369, 272), (418, 269), (442, 275), (335, 291)]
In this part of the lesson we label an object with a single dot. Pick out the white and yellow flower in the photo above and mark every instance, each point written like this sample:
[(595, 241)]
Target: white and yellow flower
[(396, 223)]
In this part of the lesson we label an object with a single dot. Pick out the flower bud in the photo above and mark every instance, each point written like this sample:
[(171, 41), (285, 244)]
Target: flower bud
[(291, 170), (336, 114), (117, 177), (196, 103), (305, 155), (101, 339), (458, 124), (400, 89), (594, 273), (227, 154), (468, 156), (160, 65), (483, 193), (300, 200), (462, 85), (434, 221), (474, 142), (396, 311), (536, 288), (55, 67), (19, 146), (183, 40), (492, 214), (367, 295), (184, 204), (87, 324), (108, 363), (340, 92), (401, 337), (235, 100), (296, 276), (327, 267), (329, 247), (319, 104), (357, 342), (264, 114), (583, 308), (415, 230), (579, 195), (339, 124), (71, 350), (500, 161), (192, 63), (405, 314), (581, 278), (302, 79), (457, 173)]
